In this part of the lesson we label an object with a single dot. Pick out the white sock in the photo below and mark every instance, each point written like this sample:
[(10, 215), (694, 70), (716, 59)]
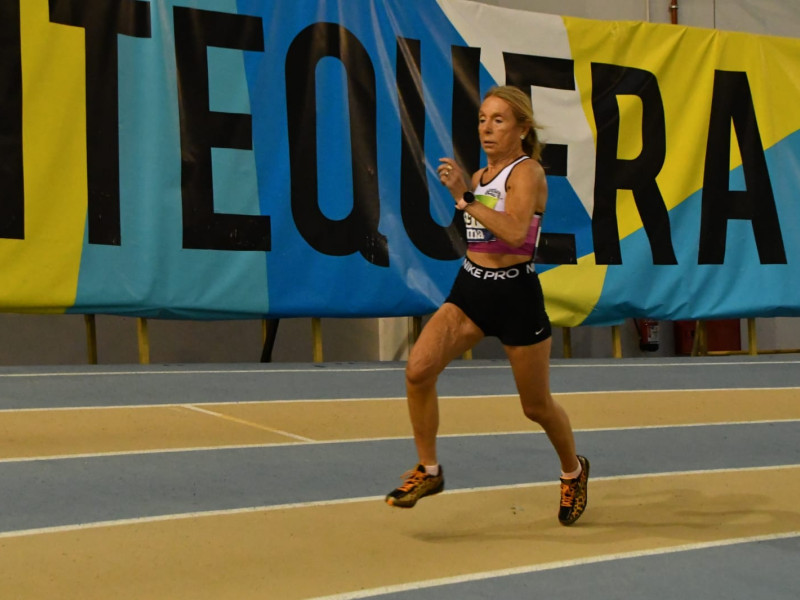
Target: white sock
[(432, 469), (574, 474)]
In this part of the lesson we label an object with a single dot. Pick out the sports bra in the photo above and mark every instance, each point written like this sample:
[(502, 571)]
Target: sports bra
[(493, 195)]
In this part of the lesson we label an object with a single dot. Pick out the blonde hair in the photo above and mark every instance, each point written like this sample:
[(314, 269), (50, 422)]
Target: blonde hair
[(520, 104)]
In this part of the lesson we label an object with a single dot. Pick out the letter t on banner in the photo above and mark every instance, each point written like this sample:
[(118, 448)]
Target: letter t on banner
[(103, 20), (202, 129), (12, 203)]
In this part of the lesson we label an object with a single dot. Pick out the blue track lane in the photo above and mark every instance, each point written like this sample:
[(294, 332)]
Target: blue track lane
[(158, 385), (48, 493), (729, 573)]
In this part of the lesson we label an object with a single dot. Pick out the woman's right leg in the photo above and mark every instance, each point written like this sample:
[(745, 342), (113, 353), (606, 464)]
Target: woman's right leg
[(448, 334)]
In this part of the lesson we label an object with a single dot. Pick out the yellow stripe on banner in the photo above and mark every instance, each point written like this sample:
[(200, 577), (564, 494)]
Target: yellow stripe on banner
[(40, 273), (578, 290), (684, 59)]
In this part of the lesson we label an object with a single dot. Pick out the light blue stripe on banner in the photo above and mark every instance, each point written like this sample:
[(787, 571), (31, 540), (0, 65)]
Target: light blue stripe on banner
[(741, 287), (151, 273)]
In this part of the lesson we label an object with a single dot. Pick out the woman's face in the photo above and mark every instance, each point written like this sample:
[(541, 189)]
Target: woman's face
[(498, 128)]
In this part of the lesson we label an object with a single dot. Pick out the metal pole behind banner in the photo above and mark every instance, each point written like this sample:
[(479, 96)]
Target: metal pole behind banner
[(316, 334), (416, 329), (269, 331), (752, 338), (91, 339), (566, 338), (699, 343), (616, 341), (144, 341)]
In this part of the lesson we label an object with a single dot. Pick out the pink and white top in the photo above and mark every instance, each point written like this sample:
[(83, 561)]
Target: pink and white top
[(493, 195)]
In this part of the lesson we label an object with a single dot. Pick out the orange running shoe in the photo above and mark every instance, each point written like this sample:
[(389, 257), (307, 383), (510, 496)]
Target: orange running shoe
[(574, 495), (418, 484)]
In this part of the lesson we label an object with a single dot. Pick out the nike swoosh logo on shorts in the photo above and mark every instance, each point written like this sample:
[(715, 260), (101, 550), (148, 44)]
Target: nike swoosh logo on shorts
[(538, 332)]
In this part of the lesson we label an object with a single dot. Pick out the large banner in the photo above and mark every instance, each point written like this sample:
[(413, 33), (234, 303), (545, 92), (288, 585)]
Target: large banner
[(239, 159)]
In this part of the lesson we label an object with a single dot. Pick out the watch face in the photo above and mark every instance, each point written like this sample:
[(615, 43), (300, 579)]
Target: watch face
[(469, 197)]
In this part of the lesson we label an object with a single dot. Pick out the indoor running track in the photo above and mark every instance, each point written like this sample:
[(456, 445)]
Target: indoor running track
[(267, 481)]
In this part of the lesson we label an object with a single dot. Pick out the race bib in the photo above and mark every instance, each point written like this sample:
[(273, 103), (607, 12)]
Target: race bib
[(475, 230)]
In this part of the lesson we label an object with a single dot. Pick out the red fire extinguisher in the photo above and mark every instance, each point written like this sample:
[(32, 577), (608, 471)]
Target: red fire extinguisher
[(648, 334)]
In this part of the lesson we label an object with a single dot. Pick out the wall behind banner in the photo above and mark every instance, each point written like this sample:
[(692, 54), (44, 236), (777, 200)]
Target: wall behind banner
[(59, 339)]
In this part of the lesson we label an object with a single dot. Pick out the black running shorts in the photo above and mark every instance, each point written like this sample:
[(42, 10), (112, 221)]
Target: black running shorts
[(505, 303)]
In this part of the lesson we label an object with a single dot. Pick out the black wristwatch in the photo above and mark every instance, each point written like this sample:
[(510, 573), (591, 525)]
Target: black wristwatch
[(468, 197)]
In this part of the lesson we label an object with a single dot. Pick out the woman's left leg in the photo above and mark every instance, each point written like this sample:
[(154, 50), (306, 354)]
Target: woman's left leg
[(531, 368)]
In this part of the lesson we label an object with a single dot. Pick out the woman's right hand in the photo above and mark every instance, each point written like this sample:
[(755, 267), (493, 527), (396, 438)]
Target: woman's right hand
[(452, 177)]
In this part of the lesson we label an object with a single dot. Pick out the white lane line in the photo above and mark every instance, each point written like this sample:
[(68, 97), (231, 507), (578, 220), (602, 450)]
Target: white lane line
[(180, 517), (318, 503), (247, 423), (310, 442), (25, 459), (677, 364), (417, 585), (211, 372), (395, 398), (234, 403), (620, 363)]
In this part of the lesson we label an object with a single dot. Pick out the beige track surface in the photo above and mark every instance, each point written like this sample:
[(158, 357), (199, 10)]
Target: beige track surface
[(319, 550), (311, 550), (39, 433)]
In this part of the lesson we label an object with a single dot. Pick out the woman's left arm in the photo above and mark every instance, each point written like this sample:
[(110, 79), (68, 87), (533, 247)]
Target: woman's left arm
[(526, 194)]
